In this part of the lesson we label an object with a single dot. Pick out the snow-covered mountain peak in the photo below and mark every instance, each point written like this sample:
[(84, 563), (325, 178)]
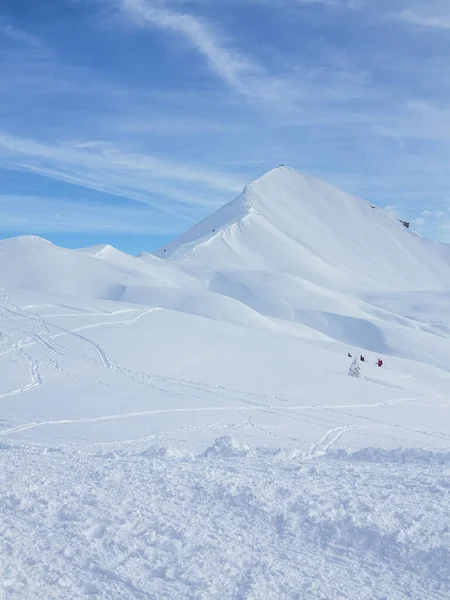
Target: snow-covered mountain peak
[(288, 192), (24, 241), (297, 224), (281, 203)]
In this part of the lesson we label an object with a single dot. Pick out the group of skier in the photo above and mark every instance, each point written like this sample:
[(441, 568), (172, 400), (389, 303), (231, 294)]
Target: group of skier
[(362, 359)]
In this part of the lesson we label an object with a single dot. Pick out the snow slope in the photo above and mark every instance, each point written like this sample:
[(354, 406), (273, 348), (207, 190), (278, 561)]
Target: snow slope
[(292, 247), (182, 426), (32, 263)]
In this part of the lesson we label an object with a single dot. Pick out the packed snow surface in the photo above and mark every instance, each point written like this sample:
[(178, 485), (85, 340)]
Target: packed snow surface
[(184, 426)]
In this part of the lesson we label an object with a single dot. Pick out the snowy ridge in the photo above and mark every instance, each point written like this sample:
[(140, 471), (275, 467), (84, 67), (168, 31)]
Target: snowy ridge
[(224, 219)]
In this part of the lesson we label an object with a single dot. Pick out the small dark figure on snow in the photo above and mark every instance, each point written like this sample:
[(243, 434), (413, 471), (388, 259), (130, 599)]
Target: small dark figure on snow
[(380, 362), (361, 358), (349, 355)]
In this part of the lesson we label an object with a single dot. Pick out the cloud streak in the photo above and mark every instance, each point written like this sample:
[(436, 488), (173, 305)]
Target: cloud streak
[(103, 167), (237, 70), (229, 65), (428, 21), (19, 35), (44, 215), (434, 223), (294, 88)]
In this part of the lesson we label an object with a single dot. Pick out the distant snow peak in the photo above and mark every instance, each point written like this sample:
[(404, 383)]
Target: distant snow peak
[(25, 240)]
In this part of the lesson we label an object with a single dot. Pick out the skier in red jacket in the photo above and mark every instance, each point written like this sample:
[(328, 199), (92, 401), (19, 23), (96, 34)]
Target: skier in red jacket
[(380, 362)]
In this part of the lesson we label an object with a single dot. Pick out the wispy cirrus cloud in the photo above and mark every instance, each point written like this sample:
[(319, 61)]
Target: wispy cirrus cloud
[(417, 120), (345, 4), (68, 215), (228, 64), (45, 215), (434, 222), (103, 167), (15, 34), (299, 84), (425, 19)]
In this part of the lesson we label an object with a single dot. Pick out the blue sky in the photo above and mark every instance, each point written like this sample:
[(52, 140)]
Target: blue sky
[(127, 121)]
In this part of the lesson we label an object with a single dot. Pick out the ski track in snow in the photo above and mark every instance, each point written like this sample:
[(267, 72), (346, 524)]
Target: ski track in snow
[(327, 441), (35, 375), (245, 409), (245, 401), (46, 339)]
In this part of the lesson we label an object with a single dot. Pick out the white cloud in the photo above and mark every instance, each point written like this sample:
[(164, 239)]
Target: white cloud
[(417, 120), (104, 167), (228, 64), (426, 20), (434, 223), (346, 4), (297, 88), (42, 215), (19, 35)]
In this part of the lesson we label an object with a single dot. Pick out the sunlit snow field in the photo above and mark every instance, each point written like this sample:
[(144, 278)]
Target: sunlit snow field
[(184, 426)]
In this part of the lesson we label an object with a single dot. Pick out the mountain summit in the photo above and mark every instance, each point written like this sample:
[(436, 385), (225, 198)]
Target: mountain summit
[(293, 223)]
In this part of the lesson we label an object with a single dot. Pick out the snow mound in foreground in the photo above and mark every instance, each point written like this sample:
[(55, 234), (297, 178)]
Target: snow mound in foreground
[(227, 446)]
